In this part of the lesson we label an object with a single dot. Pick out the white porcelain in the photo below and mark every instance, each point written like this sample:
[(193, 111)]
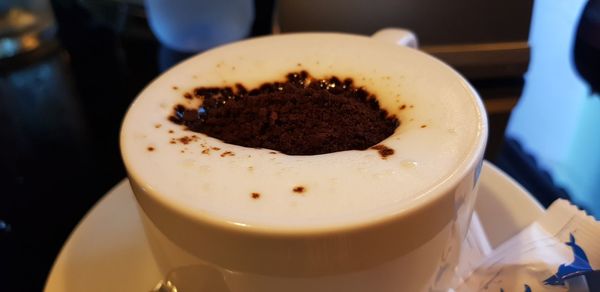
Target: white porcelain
[(108, 250), (412, 239), (397, 36), (493, 208)]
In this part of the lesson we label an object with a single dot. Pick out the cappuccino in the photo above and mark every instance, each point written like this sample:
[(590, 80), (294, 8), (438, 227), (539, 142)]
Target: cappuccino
[(439, 127)]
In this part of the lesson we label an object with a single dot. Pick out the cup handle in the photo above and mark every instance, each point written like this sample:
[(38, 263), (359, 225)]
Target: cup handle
[(397, 36)]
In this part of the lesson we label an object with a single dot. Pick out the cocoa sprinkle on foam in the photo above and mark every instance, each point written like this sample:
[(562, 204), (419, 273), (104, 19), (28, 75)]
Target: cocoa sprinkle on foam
[(383, 150)]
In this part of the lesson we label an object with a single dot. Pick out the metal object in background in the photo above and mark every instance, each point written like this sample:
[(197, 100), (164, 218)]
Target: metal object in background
[(25, 25)]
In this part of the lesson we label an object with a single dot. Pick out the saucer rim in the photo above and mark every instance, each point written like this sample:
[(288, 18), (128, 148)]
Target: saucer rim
[(520, 206)]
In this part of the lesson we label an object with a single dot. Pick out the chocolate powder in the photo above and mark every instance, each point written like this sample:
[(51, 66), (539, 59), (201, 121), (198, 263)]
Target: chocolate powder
[(302, 116)]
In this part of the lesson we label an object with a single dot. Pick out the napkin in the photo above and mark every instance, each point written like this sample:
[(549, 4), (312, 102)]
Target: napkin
[(558, 252)]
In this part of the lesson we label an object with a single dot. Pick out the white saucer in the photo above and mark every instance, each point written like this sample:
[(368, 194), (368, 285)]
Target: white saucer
[(109, 252)]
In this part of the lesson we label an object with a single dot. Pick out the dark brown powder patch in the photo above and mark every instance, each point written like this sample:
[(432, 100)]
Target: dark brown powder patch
[(150, 148), (299, 189), (423, 126), (227, 153), (187, 95), (255, 196), (185, 140), (383, 150), (301, 116)]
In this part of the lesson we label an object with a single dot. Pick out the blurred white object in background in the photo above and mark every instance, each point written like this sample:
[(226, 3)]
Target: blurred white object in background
[(196, 25)]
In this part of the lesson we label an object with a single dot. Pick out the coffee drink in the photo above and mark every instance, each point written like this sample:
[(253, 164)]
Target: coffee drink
[(308, 162), (284, 189)]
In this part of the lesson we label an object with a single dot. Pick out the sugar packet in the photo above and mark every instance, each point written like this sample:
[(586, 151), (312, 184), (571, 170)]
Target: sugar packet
[(555, 253)]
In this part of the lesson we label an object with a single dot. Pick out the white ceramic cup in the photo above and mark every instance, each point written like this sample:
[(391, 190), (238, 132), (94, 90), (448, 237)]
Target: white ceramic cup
[(412, 248)]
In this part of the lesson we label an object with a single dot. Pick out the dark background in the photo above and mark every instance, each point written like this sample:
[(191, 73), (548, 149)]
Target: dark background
[(60, 112)]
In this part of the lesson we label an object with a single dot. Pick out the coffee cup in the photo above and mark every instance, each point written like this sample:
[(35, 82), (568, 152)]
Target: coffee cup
[(254, 219)]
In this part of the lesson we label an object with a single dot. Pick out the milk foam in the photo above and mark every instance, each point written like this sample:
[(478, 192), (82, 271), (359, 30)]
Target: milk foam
[(441, 122)]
